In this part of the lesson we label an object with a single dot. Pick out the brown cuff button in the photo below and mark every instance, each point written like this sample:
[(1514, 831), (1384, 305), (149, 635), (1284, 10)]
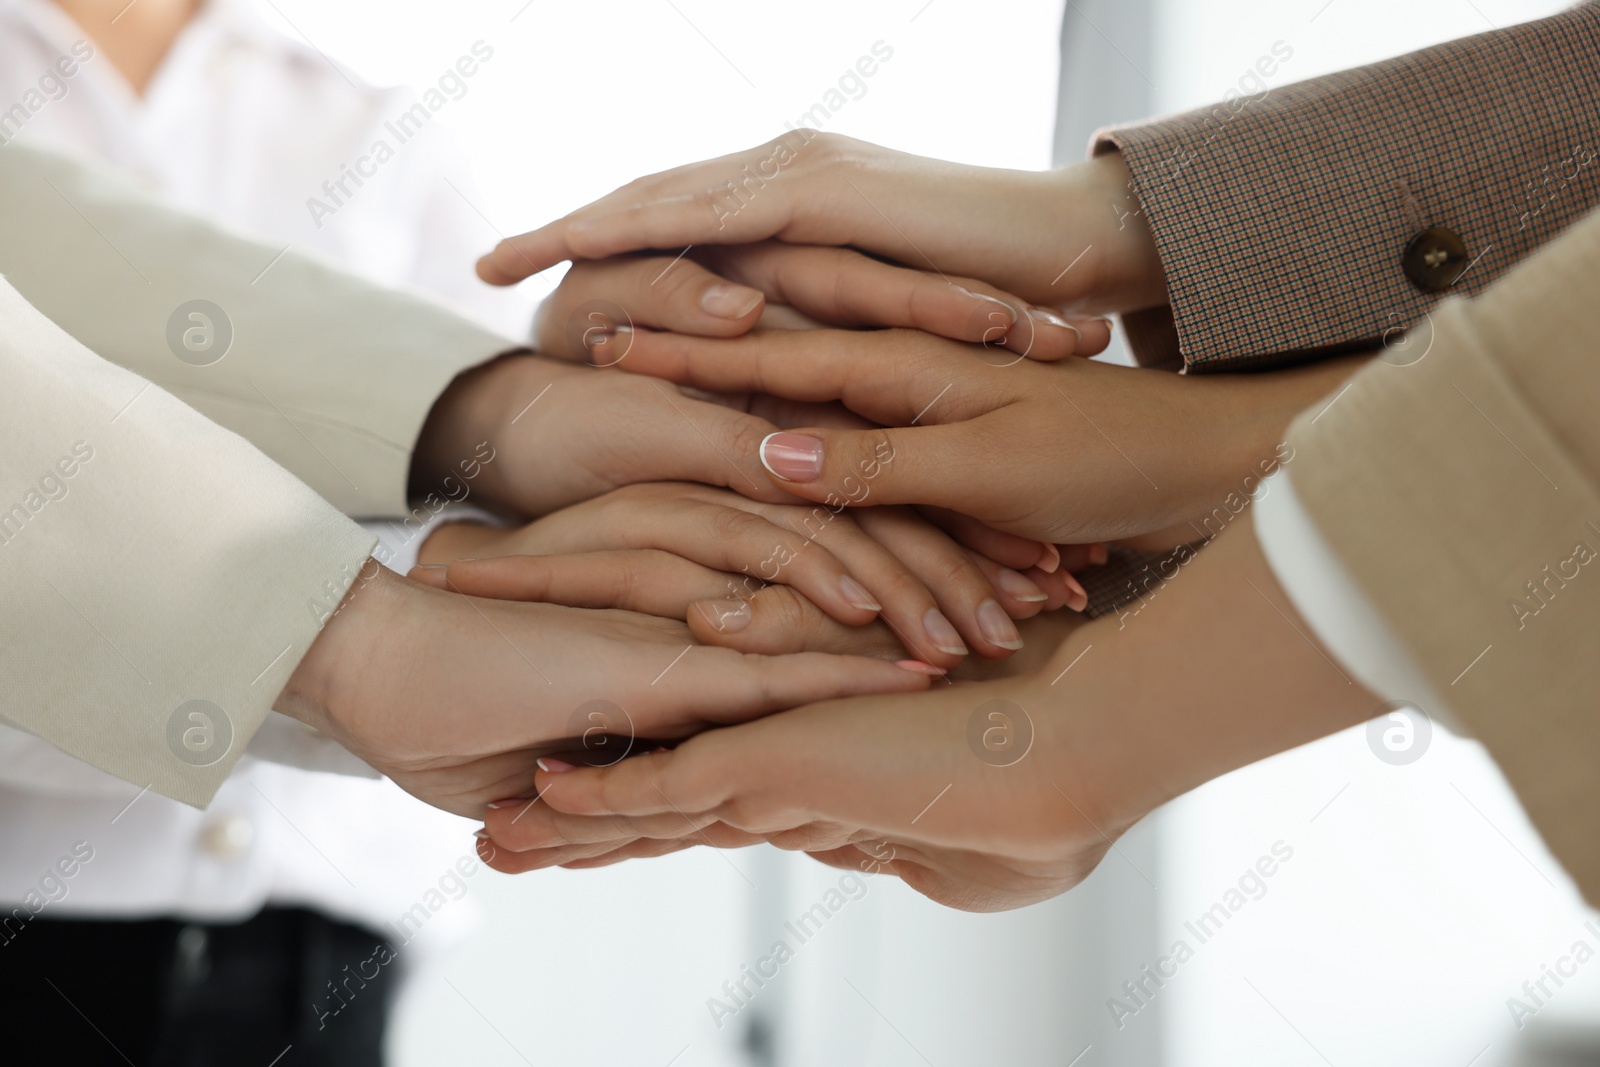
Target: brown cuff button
[(1435, 259)]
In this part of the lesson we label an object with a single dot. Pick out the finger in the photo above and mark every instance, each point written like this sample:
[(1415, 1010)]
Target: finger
[(708, 443), (842, 287), (534, 824), (644, 580), (882, 557), (1075, 558), (891, 377), (1018, 594), (733, 539), (964, 595), (707, 685), (1062, 588), (777, 620), (665, 292), (709, 202), (1007, 549)]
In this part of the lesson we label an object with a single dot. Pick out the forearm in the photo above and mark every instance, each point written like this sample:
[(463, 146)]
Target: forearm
[(1215, 671)]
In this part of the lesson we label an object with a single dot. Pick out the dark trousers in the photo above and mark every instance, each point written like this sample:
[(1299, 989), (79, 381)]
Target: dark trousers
[(176, 994)]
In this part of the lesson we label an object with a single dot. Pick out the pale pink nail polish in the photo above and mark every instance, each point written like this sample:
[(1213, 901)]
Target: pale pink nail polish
[(1099, 554), (916, 666), (1019, 586), (792, 457), (997, 627), (856, 595), (1051, 561), (554, 766), (1080, 596), (728, 616), (942, 632), (729, 301)]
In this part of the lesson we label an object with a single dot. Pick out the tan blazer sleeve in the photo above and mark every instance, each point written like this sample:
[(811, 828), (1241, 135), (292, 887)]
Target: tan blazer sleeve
[(327, 374), (1462, 493), (1284, 213), (160, 577)]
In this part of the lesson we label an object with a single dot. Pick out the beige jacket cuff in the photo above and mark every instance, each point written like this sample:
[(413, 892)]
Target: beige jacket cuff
[(329, 375), (1458, 485), (161, 577)]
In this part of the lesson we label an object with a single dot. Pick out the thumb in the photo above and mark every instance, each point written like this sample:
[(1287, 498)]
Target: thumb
[(855, 468)]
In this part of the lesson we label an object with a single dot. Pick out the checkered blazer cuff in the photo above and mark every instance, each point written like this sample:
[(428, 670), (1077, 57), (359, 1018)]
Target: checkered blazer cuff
[(1283, 217)]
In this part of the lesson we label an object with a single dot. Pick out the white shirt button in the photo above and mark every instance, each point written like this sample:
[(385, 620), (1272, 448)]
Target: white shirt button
[(228, 836)]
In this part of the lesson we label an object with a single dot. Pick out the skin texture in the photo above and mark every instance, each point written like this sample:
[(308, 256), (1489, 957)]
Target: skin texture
[(1067, 239), (887, 561), (899, 784), (1111, 452), (454, 697)]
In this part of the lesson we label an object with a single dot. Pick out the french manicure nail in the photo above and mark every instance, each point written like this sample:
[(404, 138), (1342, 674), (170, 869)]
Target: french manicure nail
[(1051, 561), (792, 457), (916, 666), (496, 805), (997, 626), (729, 301), (728, 616), (1080, 596), (1019, 586), (942, 633), (856, 595), (554, 766), (481, 835), (1052, 318), (1011, 312)]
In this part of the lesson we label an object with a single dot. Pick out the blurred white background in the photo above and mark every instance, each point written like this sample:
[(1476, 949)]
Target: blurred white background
[(1417, 899)]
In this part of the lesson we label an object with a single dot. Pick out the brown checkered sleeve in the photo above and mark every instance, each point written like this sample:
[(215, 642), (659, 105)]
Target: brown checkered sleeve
[(1282, 218)]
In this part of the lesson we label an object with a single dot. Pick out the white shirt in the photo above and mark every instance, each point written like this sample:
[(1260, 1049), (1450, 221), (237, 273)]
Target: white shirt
[(243, 124)]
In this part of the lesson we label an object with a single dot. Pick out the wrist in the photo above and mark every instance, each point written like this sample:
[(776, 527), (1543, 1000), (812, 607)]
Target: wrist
[(319, 692), (473, 420), (1126, 264)]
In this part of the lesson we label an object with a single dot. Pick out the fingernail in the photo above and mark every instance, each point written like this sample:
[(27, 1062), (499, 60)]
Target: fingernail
[(511, 802), (728, 616), (554, 766), (942, 633), (1080, 596), (1051, 318), (1019, 586), (729, 301), (1051, 561), (1099, 554), (793, 457), (481, 835), (1010, 311), (856, 595), (916, 666), (997, 626)]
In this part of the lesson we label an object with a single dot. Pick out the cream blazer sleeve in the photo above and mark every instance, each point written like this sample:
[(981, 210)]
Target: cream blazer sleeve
[(329, 375), (1458, 482), (157, 573), (160, 576)]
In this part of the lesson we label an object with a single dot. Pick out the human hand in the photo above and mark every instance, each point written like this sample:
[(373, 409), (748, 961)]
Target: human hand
[(1063, 453), (930, 591), (982, 797), (1072, 238), (725, 291), (774, 620), (540, 434), (454, 697)]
